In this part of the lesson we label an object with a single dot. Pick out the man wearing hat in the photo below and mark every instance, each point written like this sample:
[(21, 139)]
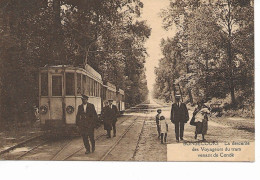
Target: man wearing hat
[(113, 113), (86, 121), (106, 113), (179, 116)]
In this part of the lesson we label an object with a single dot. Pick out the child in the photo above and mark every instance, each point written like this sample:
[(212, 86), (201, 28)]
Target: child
[(157, 119), (163, 128), (201, 114)]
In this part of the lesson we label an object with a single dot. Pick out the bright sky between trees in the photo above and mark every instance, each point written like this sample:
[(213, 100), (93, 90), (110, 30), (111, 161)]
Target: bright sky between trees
[(151, 13)]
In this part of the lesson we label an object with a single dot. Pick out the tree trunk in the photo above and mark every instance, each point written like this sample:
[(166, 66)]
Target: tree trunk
[(207, 77), (230, 71), (57, 36), (229, 52)]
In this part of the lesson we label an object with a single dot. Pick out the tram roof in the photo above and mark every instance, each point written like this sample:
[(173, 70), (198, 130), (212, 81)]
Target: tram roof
[(88, 69), (121, 91), (111, 85)]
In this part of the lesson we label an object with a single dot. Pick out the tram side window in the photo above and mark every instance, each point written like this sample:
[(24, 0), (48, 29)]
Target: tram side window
[(99, 90), (78, 84), (91, 87), (44, 84), (95, 88), (87, 86), (56, 85), (84, 85), (70, 84)]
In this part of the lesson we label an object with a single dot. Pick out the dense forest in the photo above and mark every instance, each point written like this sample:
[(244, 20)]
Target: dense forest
[(212, 53), (104, 33)]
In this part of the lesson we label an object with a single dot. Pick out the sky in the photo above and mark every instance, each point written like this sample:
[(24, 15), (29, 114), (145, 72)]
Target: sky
[(151, 13)]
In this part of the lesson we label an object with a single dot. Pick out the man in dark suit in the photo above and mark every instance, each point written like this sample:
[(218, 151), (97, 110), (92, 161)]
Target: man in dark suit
[(113, 113), (106, 113), (179, 116), (86, 120)]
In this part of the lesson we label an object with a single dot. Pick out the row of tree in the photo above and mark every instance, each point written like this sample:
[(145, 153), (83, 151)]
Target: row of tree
[(103, 33), (212, 53)]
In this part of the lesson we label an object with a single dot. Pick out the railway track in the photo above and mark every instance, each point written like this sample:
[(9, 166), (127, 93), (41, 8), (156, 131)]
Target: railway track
[(42, 143), (67, 151), (30, 144), (104, 156), (122, 136), (138, 141), (32, 149), (20, 144), (56, 156), (81, 148), (117, 142)]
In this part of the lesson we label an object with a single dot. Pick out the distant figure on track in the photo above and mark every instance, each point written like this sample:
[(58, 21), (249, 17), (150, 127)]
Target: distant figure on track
[(36, 113), (179, 116), (200, 120), (163, 129), (86, 120), (157, 119), (113, 113), (106, 113)]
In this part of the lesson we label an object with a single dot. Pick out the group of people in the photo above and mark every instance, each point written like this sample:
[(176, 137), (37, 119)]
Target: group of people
[(179, 117), (87, 118)]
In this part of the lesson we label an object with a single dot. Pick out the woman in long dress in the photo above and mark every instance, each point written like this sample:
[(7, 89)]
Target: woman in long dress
[(200, 120)]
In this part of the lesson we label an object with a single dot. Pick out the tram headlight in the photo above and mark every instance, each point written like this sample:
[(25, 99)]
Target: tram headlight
[(70, 109), (43, 109)]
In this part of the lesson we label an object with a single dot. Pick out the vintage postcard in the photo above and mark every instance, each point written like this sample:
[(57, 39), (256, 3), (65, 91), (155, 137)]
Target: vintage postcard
[(127, 80)]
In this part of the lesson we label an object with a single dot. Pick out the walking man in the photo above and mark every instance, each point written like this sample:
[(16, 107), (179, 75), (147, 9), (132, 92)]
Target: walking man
[(179, 116), (86, 120), (113, 115), (106, 113)]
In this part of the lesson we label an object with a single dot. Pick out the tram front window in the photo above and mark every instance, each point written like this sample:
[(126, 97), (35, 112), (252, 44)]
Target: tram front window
[(56, 85), (78, 84), (70, 84), (44, 84)]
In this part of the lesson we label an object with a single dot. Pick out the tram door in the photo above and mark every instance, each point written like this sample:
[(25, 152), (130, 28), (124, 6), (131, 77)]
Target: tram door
[(56, 108)]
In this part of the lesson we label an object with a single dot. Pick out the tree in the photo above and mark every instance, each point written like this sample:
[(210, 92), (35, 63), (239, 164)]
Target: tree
[(213, 58), (102, 33)]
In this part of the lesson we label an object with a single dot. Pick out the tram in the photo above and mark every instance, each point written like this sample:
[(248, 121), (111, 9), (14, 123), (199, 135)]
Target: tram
[(121, 100), (60, 90), (109, 92)]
